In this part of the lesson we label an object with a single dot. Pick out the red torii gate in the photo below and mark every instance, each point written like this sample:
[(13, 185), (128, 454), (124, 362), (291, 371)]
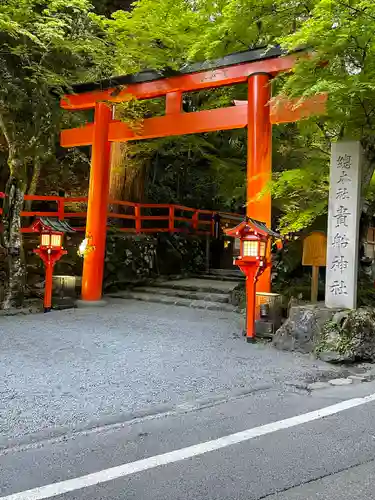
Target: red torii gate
[(257, 67)]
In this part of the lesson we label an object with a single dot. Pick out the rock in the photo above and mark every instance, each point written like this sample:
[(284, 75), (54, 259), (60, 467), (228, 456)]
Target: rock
[(340, 381), (351, 337), (336, 336), (302, 329), (335, 357)]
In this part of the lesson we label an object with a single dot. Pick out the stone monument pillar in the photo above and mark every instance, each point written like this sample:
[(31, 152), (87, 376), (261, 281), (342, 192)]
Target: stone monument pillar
[(343, 225)]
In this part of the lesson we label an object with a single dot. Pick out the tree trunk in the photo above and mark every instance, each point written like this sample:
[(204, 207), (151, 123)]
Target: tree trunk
[(127, 177), (12, 237), (34, 182), (118, 172)]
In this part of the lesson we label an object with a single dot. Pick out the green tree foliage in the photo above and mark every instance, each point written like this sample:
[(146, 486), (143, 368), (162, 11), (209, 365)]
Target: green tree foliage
[(45, 46), (153, 35), (300, 175), (340, 40)]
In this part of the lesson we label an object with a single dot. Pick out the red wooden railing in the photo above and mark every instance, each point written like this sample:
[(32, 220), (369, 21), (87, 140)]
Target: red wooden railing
[(170, 221)]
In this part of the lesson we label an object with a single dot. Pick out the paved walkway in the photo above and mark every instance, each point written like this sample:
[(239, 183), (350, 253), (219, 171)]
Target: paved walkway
[(81, 366)]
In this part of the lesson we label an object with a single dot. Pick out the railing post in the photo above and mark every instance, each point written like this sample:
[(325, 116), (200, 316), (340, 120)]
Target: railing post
[(213, 226), (2, 196), (138, 220), (171, 219), (61, 208), (195, 221)]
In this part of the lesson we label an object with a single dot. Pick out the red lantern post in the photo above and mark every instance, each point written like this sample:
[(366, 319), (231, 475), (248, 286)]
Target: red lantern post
[(254, 239), (50, 250)]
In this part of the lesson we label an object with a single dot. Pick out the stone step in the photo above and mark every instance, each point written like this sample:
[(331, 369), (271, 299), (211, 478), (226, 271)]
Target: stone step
[(187, 294), (216, 277), (177, 301), (198, 285), (226, 272)]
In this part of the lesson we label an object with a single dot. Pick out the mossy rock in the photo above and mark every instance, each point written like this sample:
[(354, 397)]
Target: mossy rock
[(349, 337)]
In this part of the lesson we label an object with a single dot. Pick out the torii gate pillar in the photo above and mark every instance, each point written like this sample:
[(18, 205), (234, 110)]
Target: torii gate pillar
[(97, 209), (259, 159)]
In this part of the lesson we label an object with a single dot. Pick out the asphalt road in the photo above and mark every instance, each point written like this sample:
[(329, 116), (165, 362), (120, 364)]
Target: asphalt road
[(312, 456)]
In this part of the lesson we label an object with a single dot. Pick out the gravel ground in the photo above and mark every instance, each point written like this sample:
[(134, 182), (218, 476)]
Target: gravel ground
[(72, 367)]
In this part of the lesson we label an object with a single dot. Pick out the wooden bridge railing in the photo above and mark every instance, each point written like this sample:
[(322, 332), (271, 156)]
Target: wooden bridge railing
[(136, 218)]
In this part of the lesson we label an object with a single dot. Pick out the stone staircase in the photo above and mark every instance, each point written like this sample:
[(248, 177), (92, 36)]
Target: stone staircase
[(223, 275), (208, 291)]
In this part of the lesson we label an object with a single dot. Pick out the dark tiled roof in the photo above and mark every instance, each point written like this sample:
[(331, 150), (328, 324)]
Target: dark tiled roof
[(262, 227), (56, 225)]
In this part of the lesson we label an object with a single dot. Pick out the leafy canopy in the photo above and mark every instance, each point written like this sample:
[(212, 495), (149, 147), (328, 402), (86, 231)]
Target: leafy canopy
[(45, 46), (340, 38)]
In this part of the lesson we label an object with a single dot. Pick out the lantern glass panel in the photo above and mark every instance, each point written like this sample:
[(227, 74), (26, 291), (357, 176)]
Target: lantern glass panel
[(56, 240), (45, 240), (250, 248), (262, 249)]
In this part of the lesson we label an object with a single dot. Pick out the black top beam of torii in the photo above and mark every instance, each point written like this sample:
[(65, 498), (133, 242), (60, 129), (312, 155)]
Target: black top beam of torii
[(253, 55)]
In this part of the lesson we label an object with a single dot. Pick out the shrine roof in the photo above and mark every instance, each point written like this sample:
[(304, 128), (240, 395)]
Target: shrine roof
[(47, 224), (251, 224), (260, 226)]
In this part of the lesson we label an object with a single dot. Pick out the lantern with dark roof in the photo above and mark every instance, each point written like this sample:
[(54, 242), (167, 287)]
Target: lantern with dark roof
[(254, 237), (51, 233), (50, 249)]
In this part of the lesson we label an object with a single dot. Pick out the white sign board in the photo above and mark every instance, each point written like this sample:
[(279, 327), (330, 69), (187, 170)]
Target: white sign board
[(343, 225)]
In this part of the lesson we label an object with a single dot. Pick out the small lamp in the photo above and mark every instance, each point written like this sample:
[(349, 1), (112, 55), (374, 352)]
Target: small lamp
[(50, 240), (253, 247)]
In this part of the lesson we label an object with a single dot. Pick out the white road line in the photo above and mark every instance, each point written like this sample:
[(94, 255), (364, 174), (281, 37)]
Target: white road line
[(103, 476)]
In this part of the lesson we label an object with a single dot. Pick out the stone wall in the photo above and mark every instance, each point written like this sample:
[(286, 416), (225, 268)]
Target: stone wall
[(130, 259)]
